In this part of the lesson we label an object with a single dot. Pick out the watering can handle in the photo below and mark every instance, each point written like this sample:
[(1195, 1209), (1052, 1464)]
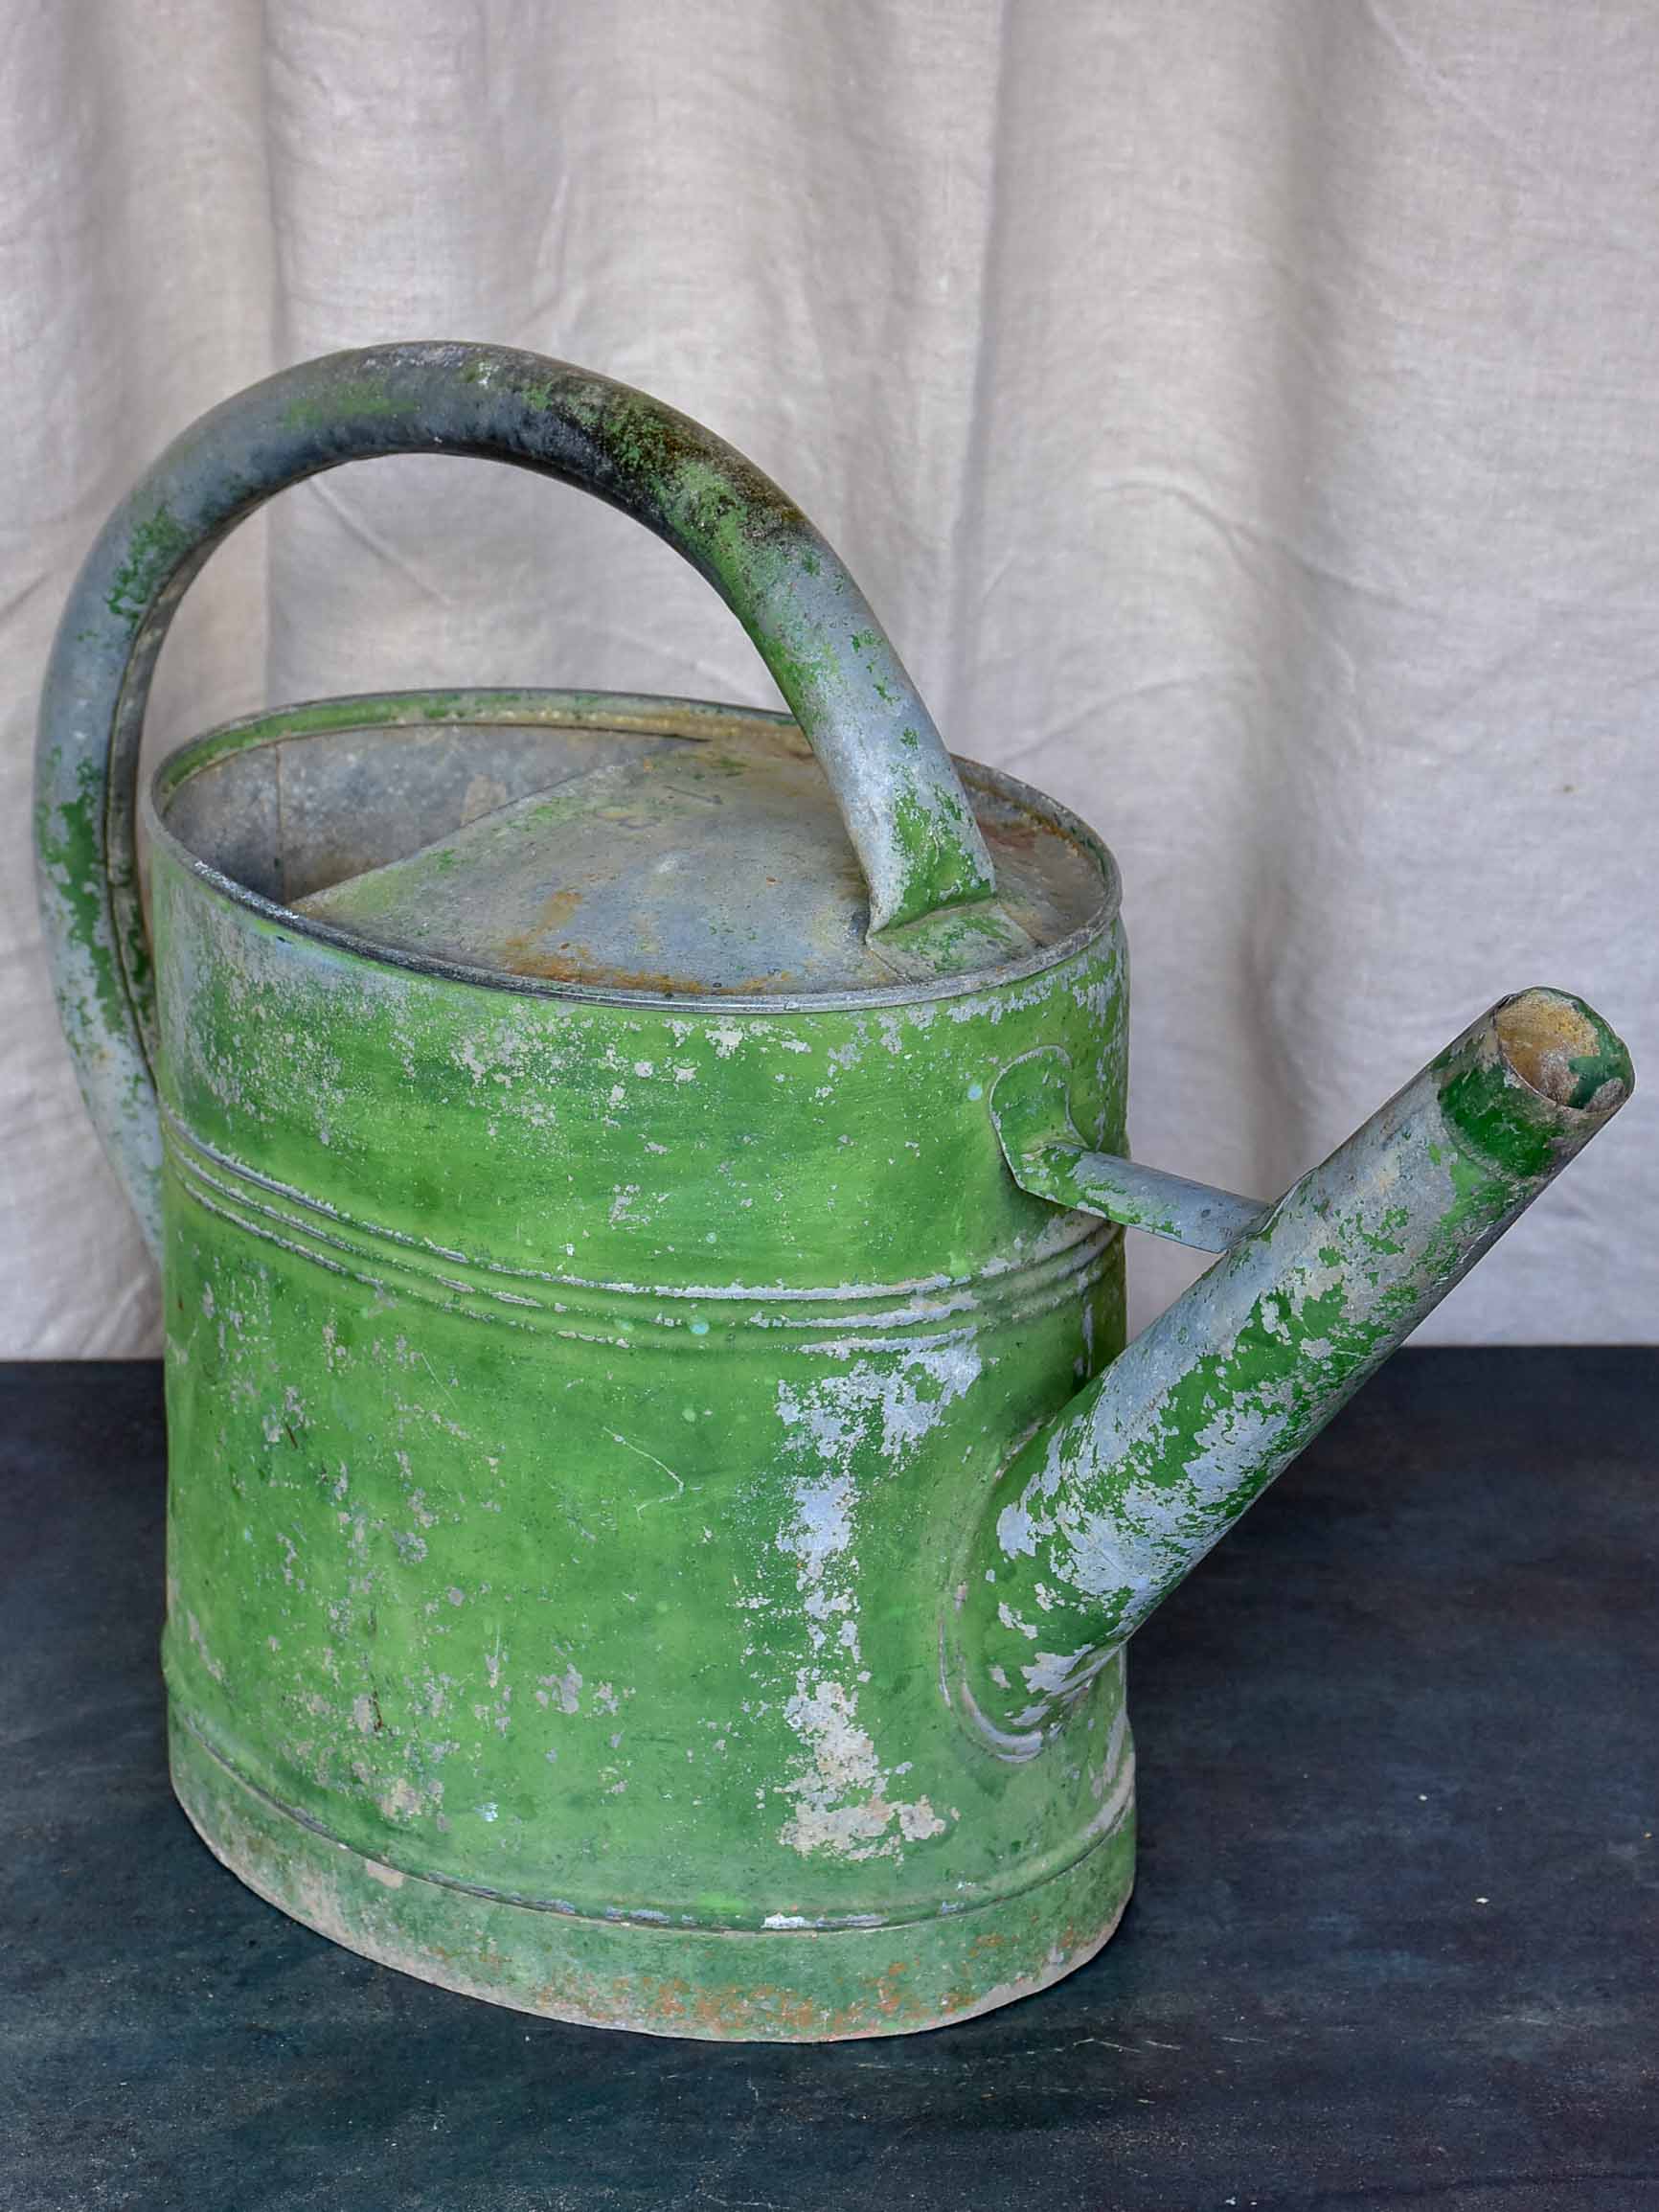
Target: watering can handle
[(904, 807)]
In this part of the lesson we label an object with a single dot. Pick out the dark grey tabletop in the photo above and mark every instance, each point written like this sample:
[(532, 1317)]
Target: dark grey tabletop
[(1395, 1939)]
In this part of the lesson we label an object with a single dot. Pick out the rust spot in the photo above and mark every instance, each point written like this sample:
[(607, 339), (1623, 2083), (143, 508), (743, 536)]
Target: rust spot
[(559, 908), (522, 955)]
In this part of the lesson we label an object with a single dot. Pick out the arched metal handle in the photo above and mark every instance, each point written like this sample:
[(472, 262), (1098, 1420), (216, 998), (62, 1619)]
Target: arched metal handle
[(905, 810)]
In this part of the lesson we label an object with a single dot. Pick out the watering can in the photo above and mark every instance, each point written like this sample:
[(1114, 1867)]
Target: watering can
[(658, 1492)]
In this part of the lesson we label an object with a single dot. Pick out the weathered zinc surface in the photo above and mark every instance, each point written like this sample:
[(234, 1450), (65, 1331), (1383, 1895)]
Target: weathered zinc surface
[(916, 838), (1098, 1517), (657, 1492), (1030, 1106), (578, 1399)]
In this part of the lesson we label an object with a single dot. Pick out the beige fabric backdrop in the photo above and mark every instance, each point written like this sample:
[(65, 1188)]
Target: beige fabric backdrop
[(1242, 413)]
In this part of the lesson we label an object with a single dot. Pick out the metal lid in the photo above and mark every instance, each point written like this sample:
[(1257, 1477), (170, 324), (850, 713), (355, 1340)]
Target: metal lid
[(710, 866)]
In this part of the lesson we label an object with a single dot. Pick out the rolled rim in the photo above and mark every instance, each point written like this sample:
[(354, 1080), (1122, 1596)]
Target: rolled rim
[(1564, 1053), (650, 715)]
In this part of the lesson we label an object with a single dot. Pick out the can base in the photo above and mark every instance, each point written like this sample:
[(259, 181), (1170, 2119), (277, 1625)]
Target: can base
[(795, 1985)]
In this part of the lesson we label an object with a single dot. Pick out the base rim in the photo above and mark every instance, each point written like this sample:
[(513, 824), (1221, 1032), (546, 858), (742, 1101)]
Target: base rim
[(742, 1986)]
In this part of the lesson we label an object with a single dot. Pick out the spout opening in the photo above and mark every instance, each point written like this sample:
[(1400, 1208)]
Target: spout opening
[(1562, 1051)]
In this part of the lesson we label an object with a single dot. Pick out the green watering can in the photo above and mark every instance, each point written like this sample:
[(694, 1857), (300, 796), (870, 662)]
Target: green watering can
[(658, 1492)]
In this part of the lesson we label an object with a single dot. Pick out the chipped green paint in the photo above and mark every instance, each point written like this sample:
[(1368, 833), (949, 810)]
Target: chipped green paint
[(69, 848), (560, 1526), (340, 406), (665, 1979), (1483, 1102), (657, 1488), (1098, 1517), (560, 1574), (1030, 1106), (927, 830), (780, 577), (156, 546), (805, 615)]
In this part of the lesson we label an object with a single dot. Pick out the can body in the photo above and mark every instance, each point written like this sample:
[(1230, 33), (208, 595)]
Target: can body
[(577, 1407)]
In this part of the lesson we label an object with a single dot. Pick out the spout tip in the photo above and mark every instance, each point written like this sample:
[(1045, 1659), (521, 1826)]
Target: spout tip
[(1564, 1053), (1533, 1082)]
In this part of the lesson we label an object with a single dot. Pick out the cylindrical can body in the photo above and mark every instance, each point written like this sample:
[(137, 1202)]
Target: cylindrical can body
[(577, 1405)]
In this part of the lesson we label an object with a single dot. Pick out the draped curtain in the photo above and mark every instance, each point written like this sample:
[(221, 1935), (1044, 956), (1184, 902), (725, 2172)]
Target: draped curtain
[(1241, 414)]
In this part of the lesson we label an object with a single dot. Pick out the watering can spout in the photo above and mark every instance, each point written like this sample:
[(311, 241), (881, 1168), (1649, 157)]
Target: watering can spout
[(1100, 1516)]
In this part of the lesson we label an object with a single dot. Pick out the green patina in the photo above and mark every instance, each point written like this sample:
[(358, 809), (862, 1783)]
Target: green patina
[(604, 1600), (1296, 1317), (336, 406), (564, 1513), (954, 940), (155, 548), (69, 842), (1384, 1238), (940, 872), (1486, 1106), (1293, 1376), (1593, 1071), (1031, 1107)]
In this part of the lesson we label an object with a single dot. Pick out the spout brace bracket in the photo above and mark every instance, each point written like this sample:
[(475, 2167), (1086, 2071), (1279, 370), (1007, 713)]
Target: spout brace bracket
[(1031, 1109)]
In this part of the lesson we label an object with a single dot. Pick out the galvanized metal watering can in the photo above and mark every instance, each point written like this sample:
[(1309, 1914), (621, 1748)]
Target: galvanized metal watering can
[(658, 1494)]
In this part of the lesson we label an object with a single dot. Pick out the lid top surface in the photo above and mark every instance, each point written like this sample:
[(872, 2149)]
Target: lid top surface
[(609, 859)]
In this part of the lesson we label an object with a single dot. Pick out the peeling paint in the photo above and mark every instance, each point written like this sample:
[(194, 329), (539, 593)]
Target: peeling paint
[(845, 1427), (1098, 1518)]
